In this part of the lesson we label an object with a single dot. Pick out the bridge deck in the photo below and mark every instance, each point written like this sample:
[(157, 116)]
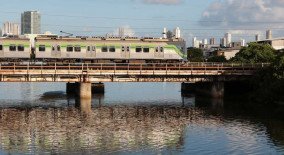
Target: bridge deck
[(43, 72)]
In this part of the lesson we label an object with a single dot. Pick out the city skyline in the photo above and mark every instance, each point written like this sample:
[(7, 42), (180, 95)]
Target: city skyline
[(206, 19)]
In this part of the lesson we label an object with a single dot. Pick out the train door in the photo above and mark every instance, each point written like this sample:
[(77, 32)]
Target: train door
[(56, 51), (91, 52), (125, 52), (159, 52)]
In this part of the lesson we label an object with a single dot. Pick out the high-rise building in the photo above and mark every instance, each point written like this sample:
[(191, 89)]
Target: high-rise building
[(205, 41), (31, 22), (212, 41), (243, 42), (177, 32), (223, 42), (268, 34), (257, 37), (165, 33), (228, 37), (196, 43), (11, 28)]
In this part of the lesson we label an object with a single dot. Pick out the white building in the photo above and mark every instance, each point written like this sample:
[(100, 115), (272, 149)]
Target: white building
[(205, 41), (165, 33), (228, 37), (121, 32), (11, 29), (257, 37), (196, 43), (223, 42), (177, 33), (243, 42), (268, 34)]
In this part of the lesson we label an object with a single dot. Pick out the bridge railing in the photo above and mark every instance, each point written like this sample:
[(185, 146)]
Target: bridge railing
[(131, 66)]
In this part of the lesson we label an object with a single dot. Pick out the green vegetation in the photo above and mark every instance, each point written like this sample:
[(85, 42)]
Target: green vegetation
[(255, 53), (220, 58), (195, 54)]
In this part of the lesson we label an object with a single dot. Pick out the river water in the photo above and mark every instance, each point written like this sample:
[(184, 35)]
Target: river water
[(130, 118)]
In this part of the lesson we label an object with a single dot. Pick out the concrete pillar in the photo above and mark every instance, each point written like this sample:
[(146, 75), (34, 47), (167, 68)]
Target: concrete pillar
[(82, 90), (85, 105), (85, 90), (98, 88)]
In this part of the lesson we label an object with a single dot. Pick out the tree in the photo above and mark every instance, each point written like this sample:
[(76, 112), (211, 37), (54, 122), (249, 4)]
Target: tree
[(255, 53), (220, 58), (194, 54)]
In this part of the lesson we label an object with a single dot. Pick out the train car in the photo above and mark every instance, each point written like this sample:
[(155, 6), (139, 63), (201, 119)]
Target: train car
[(105, 50), (15, 49)]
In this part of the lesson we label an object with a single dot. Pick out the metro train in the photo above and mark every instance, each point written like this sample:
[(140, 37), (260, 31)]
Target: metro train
[(94, 49)]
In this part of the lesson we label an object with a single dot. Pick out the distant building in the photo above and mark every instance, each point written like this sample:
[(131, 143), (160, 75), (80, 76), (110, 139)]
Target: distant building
[(177, 33), (205, 41), (0, 32), (11, 28), (223, 42), (196, 43), (31, 22), (243, 42), (277, 43), (257, 37), (228, 37), (212, 41), (268, 34), (165, 33), (227, 53)]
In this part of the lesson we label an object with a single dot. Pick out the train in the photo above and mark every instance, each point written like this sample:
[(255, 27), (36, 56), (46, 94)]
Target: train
[(92, 49)]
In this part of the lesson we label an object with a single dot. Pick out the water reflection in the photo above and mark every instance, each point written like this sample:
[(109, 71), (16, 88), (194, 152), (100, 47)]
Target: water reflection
[(194, 125)]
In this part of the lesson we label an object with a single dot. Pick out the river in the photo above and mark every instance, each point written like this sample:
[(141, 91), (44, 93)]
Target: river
[(130, 118)]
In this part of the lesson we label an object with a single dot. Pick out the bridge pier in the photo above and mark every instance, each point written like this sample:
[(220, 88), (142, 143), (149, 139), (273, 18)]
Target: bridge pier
[(98, 88), (212, 89), (85, 89), (80, 89)]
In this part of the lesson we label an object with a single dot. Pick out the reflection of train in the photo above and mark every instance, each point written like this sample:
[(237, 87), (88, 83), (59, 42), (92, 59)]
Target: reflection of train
[(96, 49)]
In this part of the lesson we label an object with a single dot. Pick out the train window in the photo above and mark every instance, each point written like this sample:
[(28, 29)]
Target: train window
[(157, 49), (12, 47), (138, 49), (1, 47), (161, 49), (146, 50), (58, 48), (41, 48), (122, 48), (77, 48), (88, 48), (127, 49), (94, 48), (104, 49), (69, 48), (112, 49), (21, 48)]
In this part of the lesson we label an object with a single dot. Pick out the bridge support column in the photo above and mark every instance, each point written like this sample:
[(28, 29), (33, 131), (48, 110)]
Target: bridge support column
[(98, 88), (82, 90)]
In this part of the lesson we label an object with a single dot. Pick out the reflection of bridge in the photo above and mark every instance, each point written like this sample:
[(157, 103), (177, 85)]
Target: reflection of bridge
[(59, 72)]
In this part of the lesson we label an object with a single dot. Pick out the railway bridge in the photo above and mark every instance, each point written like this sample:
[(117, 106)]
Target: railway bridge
[(83, 74)]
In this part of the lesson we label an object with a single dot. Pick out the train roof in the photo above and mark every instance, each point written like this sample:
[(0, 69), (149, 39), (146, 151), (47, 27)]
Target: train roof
[(98, 38)]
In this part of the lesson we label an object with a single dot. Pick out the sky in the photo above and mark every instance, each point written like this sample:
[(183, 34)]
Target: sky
[(200, 18)]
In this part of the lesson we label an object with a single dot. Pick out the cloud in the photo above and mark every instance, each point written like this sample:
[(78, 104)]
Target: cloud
[(244, 13), (166, 2)]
